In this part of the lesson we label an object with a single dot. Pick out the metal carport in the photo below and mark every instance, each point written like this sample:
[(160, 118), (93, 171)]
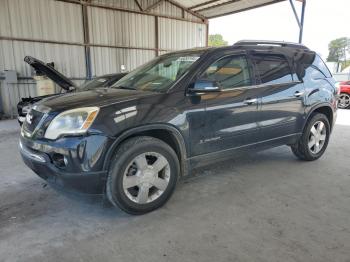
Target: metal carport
[(87, 38)]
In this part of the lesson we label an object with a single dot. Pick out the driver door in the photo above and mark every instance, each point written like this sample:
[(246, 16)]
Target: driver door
[(231, 113)]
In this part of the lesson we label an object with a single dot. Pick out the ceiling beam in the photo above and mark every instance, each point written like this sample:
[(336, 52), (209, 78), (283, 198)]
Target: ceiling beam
[(150, 7), (203, 4), (204, 21), (246, 9), (186, 9), (218, 5), (138, 5)]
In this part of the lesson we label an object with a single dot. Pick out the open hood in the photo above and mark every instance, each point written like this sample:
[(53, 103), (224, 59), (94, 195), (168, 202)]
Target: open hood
[(50, 72)]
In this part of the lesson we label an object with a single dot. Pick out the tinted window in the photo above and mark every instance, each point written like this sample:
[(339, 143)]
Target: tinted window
[(314, 73), (273, 69), (229, 72), (94, 83), (160, 73), (321, 66)]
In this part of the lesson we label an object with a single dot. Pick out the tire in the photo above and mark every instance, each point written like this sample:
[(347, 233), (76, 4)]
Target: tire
[(344, 101), (296, 152), (306, 148), (134, 183)]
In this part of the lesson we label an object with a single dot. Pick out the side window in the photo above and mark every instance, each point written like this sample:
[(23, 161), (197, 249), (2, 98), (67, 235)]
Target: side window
[(273, 69), (314, 73), (229, 72), (318, 62)]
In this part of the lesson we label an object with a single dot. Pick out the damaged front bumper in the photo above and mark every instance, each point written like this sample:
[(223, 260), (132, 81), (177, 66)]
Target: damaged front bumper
[(72, 163)]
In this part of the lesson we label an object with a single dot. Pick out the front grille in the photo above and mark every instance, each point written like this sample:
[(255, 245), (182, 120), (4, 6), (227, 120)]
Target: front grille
[(32, 120)]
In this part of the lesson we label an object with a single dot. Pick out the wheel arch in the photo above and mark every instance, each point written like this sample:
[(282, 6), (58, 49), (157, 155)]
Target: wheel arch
[(167, 133), (323, 108)]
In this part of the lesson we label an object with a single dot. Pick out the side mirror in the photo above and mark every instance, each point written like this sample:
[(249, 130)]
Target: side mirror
[(205, 86)]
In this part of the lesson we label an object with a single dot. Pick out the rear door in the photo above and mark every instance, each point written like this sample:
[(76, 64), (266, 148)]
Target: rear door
[(282, 96)]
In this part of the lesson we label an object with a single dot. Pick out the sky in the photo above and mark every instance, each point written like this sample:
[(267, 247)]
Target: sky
[(325, 20)]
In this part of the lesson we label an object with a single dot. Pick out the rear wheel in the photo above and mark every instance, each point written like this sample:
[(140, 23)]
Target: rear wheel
[(344, 101), (143, 175), (314, 139)]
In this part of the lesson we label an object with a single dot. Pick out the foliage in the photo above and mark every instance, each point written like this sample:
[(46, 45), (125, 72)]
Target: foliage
[(338, 49), (217, 40)]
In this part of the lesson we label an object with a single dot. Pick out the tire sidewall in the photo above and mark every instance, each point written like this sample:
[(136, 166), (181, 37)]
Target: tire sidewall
[(121, 162), (305, 137)]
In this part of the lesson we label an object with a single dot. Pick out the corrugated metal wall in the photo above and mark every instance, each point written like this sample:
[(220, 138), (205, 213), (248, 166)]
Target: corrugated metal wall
[(175, 35), (116, 28), (53, 31)]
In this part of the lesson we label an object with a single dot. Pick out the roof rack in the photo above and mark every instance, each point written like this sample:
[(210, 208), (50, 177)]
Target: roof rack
[(270, 43)]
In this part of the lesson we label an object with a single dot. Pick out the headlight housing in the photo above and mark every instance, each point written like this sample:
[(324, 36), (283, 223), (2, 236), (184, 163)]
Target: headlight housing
[(75, 121)]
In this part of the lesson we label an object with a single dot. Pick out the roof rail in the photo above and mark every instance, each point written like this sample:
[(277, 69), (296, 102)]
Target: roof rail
[(270, 43)]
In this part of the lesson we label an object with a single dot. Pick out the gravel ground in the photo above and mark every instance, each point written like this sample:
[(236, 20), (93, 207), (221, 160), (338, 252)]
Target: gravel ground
[(266, 206)]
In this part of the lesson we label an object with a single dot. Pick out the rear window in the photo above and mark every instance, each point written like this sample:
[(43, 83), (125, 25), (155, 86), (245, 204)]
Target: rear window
[(321, 66), (272, 69)]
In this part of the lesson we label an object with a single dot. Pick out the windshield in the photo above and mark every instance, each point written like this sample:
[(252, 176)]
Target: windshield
[(94, 83), (159, 74)]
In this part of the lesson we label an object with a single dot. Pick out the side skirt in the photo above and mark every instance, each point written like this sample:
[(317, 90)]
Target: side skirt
[(206, 159)]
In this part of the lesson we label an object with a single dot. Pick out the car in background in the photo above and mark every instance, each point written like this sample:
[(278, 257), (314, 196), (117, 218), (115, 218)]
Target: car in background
[(67, 85), (344, 96)]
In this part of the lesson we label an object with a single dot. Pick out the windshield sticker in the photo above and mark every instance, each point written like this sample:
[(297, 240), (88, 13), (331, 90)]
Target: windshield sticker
[(187, 58)]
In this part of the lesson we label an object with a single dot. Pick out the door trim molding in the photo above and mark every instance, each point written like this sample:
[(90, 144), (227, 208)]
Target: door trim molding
[(244, 146)]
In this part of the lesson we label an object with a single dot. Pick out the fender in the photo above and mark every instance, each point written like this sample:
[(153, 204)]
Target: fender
[(315, 107), (125, 134)]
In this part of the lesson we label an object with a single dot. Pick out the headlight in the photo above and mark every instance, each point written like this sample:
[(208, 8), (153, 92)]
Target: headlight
[(75, 121)]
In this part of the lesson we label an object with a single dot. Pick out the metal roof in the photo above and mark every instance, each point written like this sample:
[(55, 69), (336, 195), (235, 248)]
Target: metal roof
[(216, 8)]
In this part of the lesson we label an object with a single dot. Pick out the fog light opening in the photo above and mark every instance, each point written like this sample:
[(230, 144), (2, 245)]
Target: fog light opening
[(59, 160)]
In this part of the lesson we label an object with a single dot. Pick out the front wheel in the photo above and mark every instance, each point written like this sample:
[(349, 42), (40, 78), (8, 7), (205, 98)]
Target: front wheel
[(314, 139), (143, 175)]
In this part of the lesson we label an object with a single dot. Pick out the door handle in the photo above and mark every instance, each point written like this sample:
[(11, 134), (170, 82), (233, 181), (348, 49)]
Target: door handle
[(250, 101), (298, 94)]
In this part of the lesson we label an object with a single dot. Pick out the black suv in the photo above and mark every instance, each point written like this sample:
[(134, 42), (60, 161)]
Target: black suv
[(134, 140)]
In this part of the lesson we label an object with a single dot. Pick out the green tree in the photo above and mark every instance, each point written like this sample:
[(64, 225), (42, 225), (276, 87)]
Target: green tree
[(338, 49), (217, 40)]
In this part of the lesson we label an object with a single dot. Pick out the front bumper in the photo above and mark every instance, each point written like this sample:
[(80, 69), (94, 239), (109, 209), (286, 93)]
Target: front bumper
[(77, 176), (21, 119)]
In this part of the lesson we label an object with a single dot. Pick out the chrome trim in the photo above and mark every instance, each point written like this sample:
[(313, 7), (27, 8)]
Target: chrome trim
[(31, 155), (298, 93), (250, 101), (28, 134), (41, 108), (21, 118)]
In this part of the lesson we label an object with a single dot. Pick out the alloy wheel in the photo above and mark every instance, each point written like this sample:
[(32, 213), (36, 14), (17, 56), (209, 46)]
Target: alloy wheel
[(344, 101), (146, 177), (317, 137)]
